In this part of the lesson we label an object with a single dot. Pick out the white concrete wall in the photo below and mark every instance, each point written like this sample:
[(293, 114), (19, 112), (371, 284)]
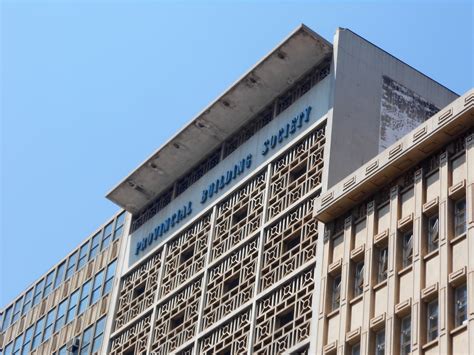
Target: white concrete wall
[(359, 67)]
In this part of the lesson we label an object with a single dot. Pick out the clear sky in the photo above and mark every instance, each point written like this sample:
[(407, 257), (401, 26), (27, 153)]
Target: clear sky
[(90, 89)]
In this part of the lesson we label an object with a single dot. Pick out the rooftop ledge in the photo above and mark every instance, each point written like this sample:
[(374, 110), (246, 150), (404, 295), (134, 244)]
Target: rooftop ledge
[(297, 54), (405, 153)]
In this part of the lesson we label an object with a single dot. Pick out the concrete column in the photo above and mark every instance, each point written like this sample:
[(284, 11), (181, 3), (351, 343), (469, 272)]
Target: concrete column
[(324, 293), (345, 286), (470, 238), (392, 275), (444, 255), (368, 282), (417, 262)]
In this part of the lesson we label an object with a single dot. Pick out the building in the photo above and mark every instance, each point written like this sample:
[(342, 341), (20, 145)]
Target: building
[(70, 301), (398, 250), (223, 252)]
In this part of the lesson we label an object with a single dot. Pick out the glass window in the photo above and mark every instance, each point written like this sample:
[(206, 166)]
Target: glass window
[(432, 320), (48, 328), (83, 256), (119, 226), (8, 349), (380, 342), (27, 341), (59, 274), (7, 318), (86, 341), (107, 236), (459, 217), (359, 279), (27, 302), (336, 292), (96, 287), (48, 287), (95, 244), (37, 334), (84, 302), (460, 303), (98, 335), (355, 350), (38, 291), (71, 265), (109, 277), (17, 310), (407, 249), (382, 264), (63, 351), (405, 336), (433, 233), (60, 315), (71, 311), (17, 346)]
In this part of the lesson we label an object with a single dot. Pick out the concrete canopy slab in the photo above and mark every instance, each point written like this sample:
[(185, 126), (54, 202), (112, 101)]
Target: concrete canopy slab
[(297, 54)]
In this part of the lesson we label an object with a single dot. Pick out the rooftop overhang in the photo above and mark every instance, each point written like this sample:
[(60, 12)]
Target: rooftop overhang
[(297, 54), (423, 141)]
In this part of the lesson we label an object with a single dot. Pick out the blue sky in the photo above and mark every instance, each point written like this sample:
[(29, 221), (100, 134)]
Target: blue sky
[(90, 89)]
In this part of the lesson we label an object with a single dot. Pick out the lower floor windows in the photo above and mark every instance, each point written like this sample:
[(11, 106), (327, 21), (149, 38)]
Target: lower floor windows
[(380, 342), (405, 336), (432, 320), (460, 305)]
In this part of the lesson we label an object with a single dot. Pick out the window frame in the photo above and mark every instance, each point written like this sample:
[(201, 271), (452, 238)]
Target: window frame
[(380, 342), (432, 320), (336, 292), (382, 264), (460, 305), (358, 287), (405, 334), (59, 276), (407, 249), (432, 243), (460, 217)]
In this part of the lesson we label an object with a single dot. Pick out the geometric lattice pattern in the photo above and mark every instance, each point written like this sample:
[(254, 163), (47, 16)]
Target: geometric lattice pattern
[(230, 338), (185, 255), (289, 244), (284, 317), (176, 320), (133, 340), (231, 283), (297, 172), (238, 216), (137, 290)]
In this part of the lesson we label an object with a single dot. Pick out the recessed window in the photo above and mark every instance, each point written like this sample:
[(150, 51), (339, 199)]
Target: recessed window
[(407, 249), (358, 278), (176, 321), (460, 304), (239, 215), (297, 172), (284, 318), (405, 336), (432, 320), (459, 217), (382, 263), (336, 292), (139, 290), (355, 349), (226, 351), (130, 351), (291, 242), (231, 283), (380, 342), (433, 233), (186, 255)]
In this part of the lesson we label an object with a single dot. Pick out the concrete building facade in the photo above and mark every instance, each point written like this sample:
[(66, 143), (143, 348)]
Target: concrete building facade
[(67, 307), (397, 270), (223, 252)]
